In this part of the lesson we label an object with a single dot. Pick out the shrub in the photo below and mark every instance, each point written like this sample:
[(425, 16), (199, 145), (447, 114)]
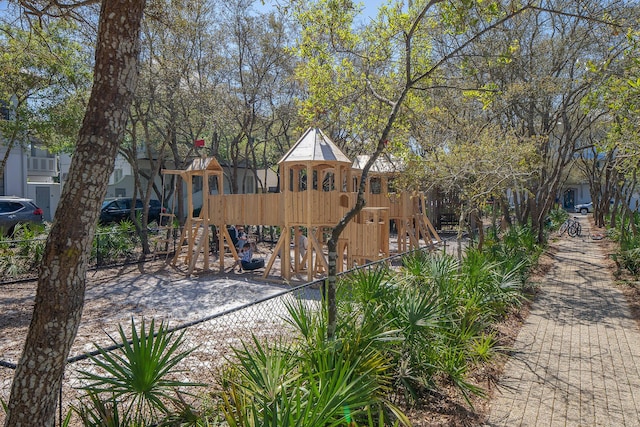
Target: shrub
[(311, 381), (22, 253), (136, 381), (399, 336), (557, 217), (628, 255), (113, 242)]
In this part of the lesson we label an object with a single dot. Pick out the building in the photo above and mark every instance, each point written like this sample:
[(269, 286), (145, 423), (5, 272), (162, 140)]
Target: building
[(34, 173)]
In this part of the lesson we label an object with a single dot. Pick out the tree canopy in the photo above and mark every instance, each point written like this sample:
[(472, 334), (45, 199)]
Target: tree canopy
[(44, 87)]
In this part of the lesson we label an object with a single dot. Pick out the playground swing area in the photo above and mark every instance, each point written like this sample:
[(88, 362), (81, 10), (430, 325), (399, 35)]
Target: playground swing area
[(318, 186)]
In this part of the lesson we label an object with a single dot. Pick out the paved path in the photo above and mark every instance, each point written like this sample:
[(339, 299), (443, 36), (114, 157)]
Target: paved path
[(577, 357)]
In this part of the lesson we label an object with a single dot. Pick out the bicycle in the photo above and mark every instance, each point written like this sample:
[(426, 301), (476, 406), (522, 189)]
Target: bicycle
[(572, 226)]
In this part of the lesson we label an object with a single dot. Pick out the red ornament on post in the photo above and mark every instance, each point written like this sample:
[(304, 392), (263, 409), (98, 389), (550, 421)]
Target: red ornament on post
[(199, 143)]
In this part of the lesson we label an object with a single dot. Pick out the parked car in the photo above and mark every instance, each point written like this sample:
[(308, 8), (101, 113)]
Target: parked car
[(118, 210), (584, 208), (17, 210)]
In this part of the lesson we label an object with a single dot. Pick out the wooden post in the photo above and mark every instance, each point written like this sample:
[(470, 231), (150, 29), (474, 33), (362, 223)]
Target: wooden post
[(204, 214), (311, 208)]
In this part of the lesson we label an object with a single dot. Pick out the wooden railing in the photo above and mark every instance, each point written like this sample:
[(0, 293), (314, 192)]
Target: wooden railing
[(319, 208), (254, 209)]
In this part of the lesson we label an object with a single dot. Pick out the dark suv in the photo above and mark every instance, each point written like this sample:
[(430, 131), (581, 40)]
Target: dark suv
[(16, 210), (118, 210)]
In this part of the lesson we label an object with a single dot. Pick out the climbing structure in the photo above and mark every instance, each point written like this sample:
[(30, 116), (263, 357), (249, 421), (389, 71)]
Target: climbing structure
[(195, 235), (318, 185), (407, 209)]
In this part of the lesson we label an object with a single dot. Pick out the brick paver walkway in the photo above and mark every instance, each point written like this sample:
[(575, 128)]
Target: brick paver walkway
[(577, 357)]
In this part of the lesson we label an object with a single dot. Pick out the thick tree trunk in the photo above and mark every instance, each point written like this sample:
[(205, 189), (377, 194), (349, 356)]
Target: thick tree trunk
[(61, 283)]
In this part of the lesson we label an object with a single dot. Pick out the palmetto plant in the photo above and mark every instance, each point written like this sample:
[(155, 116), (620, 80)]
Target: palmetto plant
[(557, 217), (312, 381), (398, 333), (113, 242), (31, 240), (102, 412), (138, 374), (22, 252), (277, 386), (628, 254), (517, 250)]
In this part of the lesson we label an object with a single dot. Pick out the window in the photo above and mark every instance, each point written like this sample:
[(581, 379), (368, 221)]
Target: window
[(375, 185), (328, 183), (302, 180), (8, 207), (197, 184), (391, 186), (213, 185), (122, 204)]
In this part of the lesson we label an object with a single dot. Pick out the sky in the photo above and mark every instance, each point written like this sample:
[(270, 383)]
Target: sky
[(370, 7)]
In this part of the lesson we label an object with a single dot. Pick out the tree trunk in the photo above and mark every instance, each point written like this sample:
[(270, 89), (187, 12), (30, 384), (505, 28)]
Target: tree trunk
[(480, 226), (460, 234), (61, 282), (7, 152)]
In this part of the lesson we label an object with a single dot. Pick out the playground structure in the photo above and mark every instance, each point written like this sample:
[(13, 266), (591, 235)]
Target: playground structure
[(318, 185)]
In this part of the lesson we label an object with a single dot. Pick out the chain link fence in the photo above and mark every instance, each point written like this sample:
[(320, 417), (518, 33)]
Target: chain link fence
[(20, 258), (213, 337)]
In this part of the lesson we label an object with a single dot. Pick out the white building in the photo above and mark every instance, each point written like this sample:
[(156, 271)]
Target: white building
[(33, 173)]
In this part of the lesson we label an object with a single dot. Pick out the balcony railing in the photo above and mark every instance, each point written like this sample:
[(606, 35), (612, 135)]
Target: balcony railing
[(42, 166)]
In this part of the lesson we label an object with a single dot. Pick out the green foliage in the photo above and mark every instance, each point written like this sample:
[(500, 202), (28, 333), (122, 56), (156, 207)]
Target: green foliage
[(399, 333), (45, 80), (517, 250), (628, 255), (277, 385), (102, 412), (23, 251), (483, 347), (452, 305), (557, 217), (113, 242), (408, 330), (314, 381), (137, 377)]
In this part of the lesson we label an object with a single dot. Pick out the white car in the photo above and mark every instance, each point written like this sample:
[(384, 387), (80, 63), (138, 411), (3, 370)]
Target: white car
[(584, 208)]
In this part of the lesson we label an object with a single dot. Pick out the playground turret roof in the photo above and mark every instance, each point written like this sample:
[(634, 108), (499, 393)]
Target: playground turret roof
[(314, 146), (204, 163), (384, 164), (197, 165)]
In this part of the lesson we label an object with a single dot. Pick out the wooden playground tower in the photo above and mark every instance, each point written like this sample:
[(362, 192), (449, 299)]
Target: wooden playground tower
[(318, 185)]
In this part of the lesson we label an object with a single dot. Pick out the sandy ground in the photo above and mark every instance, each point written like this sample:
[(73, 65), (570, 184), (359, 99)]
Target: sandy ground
[(152, 290)]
